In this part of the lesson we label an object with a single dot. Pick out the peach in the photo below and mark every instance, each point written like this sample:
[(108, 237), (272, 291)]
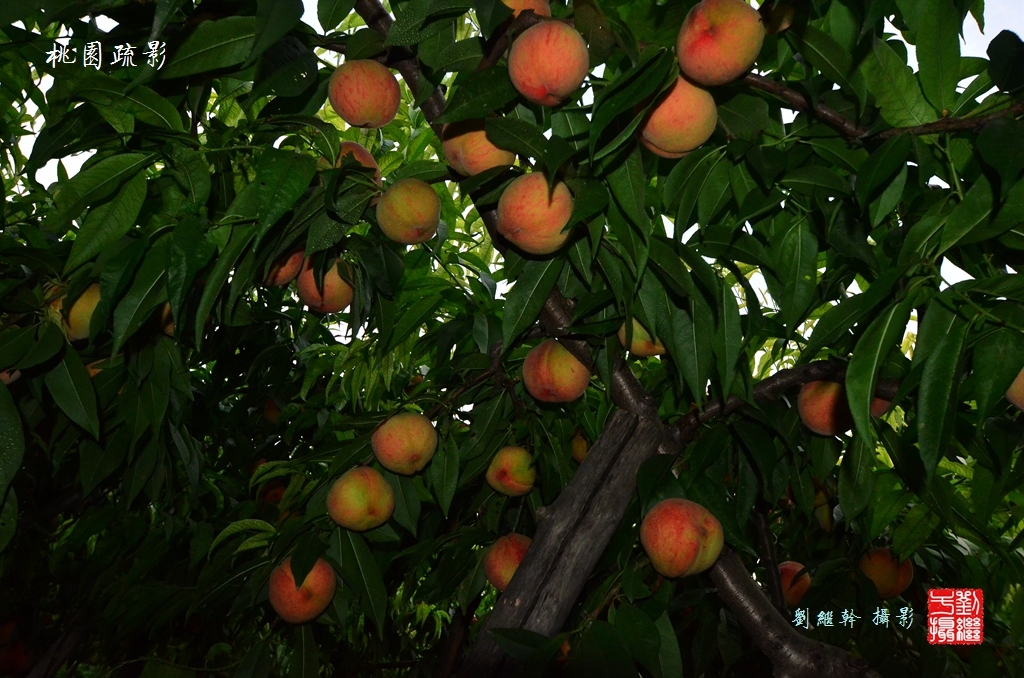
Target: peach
[(409, 211), (531, 216), (793, 587), (272, 492), (548, 62), (642, 345), (580, 447), (468, 151), (284, 270), (300, 604), (335, 296), (1015, 394), (16, 658), (405, 443), (681, 121), (8, 377), (80, 315), (823, 408), (361, 500), (891, 577), (823, 510), (879, 407), (681, 537), (167, 320), (511, 472), (539, 7), (719, 41), (271, 411), (502, 559), (360, 155), (553, 375), (364, 93)]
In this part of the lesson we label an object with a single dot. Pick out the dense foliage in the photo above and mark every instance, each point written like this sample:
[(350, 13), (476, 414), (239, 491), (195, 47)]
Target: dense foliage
[(147, 496)]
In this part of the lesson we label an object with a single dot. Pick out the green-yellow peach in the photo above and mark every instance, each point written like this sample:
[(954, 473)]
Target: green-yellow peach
[(360, 500), (553, 375), (405, 443), (80, 315), (511, 472), (409, 211), (642, 345)]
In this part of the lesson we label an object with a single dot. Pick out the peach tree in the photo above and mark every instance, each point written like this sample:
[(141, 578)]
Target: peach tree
[(346, 303)]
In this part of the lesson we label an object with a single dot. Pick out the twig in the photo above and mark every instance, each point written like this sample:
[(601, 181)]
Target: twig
[(458, 630), (766, 549), (502, 38), (855, 132), (608, 599), (491, 371)]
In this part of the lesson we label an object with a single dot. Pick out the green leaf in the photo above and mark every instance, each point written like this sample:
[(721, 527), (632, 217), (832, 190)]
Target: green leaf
[(808, 178), (330, 13), (12, 440), (670, 662), (213, 45), (240, 526), (829, 57), (728, 337), (407, 501), (108, 223), (274, 18), (527, 646), (744, 117), (896, 88), (413, 318), (241, 236), (654, 73), (937, 401), (282, 177), (526, 298), (938, 51), (305, 657), (92, 185), (361, 572), (8, 519), (15, 343), (601, 653), (96, 463), (72, 390), (148, 290), (856, 478), (914, 531), (838, 320), (882, 165), (50, 340), (1006, 54), (190, 251), (519, 136), (444, 473), (139, 102), (992, 354), (138, 473), (478, 94), (798, 269), (975, 209), (880, 338), (639, 634)]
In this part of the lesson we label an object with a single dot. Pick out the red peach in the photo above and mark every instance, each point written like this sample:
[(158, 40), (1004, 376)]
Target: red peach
[(503, 557), (719, 41), (553, 375), (681, 121), (284, 270), (793, 587), (681, 537), (469, 151), (405, 443), (335, 296), (548, 62), (301, 604), (364, 93), (511, 472), (531, 216)]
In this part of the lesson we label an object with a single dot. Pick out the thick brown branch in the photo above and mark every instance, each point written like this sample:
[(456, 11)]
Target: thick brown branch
[(792, 655)]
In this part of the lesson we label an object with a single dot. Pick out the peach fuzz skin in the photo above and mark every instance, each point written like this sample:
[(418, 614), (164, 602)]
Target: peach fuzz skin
[(360, 155), (405, 443), (335, 296), (825, 410), (548, 62), (360, 500), (364, 93), (793, 587), (532, 217), (307, 602), (891, 577), (502, 558), (539, 7), (511, 472), (642, 345), (681, 537), (580, 447), (553, 375), (681, 121), (409, 211), (80, 315), (468, 151), (719, 41), (284, 270)]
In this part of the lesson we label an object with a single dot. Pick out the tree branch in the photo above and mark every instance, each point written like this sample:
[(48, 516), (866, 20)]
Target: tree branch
[(792, 655), (766, 549), (855, 132)]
